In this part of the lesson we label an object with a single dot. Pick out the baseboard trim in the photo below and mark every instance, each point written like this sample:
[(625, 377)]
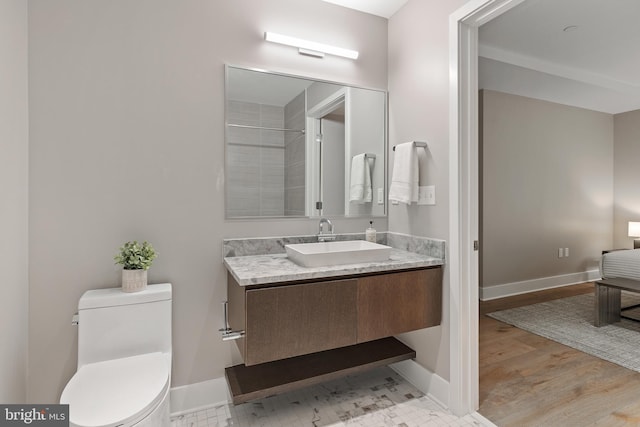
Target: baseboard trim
[(424, 380), (517, 288), (198, 396)]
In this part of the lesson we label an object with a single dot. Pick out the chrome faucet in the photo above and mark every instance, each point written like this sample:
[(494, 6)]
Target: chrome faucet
[(325, 236)]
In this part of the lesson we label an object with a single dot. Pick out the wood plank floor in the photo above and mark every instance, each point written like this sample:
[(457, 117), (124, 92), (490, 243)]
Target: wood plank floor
[(527, 380)]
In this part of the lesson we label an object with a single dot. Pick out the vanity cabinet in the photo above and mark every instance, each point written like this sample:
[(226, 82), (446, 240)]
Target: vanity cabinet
[(283, 320)]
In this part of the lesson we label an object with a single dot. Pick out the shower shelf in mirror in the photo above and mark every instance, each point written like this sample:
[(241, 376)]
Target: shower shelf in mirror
[(274, 147), (265, 128)]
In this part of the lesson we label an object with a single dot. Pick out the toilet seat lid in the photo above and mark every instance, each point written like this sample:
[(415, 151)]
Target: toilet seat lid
[(117, 391)]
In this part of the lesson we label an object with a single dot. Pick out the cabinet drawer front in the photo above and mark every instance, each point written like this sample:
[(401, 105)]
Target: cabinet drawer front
[(293, 320), (390, 304)]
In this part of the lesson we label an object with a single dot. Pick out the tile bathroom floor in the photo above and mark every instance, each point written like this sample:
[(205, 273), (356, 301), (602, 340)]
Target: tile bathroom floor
[(379, 397)]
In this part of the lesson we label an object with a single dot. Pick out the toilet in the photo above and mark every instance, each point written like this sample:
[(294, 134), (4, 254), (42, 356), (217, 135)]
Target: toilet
[(124, 359)]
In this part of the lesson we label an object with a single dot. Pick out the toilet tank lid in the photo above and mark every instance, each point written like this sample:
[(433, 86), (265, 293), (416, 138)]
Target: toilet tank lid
[(111, 297)]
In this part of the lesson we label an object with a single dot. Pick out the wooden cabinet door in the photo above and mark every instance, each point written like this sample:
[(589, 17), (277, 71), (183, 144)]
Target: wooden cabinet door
[(390, 304), (292, 320)]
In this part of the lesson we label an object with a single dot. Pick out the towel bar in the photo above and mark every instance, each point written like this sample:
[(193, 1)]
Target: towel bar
[(416, 143)]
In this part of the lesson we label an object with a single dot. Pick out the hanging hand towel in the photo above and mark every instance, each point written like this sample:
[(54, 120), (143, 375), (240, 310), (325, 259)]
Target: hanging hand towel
[(404, 180), (360, 189)]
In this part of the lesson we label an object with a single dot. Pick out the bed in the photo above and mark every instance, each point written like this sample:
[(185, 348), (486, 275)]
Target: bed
[(620, 271), (623, 263)]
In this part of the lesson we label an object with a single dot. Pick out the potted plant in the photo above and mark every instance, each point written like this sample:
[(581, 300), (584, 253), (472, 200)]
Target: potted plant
[(136, 259)]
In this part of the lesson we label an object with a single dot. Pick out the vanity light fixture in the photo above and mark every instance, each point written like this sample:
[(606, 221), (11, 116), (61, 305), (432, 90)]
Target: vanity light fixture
[(306, 47)]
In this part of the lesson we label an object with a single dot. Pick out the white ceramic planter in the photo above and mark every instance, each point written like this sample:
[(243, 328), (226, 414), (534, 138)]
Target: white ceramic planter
[(134, 280)]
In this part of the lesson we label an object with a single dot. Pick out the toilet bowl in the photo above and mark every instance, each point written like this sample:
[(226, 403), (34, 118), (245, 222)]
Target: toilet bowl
[(124, 359)]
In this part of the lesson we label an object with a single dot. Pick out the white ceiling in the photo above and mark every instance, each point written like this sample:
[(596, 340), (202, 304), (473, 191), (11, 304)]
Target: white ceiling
[(383, 8), (526, 51), (596, 66)]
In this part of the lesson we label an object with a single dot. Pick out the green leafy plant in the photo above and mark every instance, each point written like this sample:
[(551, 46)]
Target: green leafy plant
[(136, 256)]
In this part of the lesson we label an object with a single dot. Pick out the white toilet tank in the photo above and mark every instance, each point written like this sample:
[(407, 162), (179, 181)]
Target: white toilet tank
[(113, 324)]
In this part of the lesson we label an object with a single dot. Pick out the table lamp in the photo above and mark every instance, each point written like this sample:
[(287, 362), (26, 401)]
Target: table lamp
[(634, 231)]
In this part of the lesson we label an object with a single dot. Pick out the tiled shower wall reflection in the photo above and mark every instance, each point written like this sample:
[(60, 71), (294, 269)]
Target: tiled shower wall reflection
[(256, 158), (294, 157)]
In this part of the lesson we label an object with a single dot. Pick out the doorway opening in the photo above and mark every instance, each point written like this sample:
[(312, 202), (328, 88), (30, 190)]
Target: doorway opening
[(463, 205)]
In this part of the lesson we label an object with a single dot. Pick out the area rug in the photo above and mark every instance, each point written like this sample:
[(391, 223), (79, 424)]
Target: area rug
[(569, 321)]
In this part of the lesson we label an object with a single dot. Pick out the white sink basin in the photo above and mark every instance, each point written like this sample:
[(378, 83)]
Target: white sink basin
[(323, 254)]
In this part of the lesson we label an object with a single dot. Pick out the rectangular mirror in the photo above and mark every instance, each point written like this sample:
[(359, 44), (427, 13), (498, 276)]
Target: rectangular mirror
[(297, 147)]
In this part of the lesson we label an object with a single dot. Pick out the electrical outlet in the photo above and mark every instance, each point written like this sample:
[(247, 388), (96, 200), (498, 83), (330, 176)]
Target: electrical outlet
[(566, 252), (560, 252)]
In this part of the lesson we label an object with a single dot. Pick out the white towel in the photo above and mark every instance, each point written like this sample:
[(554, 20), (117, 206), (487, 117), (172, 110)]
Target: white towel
[(404, 180), (360, 189)]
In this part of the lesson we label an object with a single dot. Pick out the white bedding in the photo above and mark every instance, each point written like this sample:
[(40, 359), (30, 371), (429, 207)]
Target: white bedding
[(625, 264)]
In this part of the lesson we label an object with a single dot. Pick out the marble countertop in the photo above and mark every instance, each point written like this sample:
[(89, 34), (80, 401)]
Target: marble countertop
[(274, 268)]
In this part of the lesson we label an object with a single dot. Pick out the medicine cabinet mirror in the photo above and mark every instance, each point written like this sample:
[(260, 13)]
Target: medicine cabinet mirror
[(298, 147)]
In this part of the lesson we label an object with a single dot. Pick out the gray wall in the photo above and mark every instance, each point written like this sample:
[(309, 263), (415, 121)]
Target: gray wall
[(626, 175), (547, 183), (126, 142), (14, 151), (419, 110), (365, 137)]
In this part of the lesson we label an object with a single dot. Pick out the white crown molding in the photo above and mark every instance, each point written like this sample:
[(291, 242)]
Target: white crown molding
[(525, 61)]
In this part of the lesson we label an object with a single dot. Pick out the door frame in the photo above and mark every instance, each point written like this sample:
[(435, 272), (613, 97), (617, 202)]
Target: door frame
[(464, 200), (313, 158)]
